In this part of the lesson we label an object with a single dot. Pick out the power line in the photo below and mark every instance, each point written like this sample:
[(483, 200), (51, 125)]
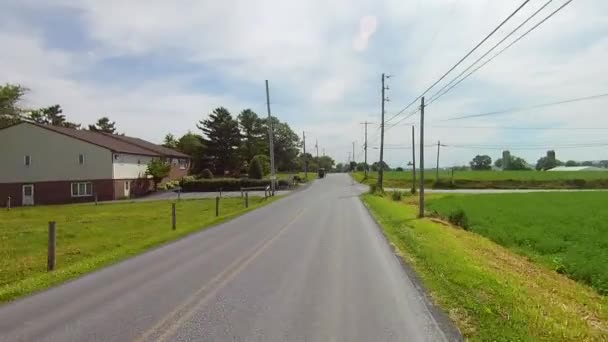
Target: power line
[(461, 60), (519, 109), (521, 128), (488, 52), (501, 51)]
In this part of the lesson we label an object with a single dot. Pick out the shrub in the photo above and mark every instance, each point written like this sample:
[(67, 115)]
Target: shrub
[(227, 184), (459, 218), (171, 185), (207, 174), (255, 169), (396, 196), (297, 178), (265, 162), (375, 189)]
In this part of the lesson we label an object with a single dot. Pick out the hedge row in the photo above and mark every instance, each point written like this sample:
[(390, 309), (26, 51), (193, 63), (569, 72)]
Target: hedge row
[(226, 184)]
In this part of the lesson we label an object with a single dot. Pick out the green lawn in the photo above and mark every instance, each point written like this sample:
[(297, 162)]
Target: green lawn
[(494, 179), (567, 231), (90, 236), (491, 293)]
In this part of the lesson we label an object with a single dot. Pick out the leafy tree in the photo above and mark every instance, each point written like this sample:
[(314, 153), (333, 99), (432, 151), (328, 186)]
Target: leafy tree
[(340, 167), (170, 141), (325, 162), (264, 161), (376, 166), (518, 163), (399, 169), (481, 162), (104, 125), (207, 174), (571, 163), (361, 167), (254, 137), (352, 166), (498, 162), (255, 169), (586, 163), (286, 145), (158, 169), (222, 139), (51, 116), (10, 96)]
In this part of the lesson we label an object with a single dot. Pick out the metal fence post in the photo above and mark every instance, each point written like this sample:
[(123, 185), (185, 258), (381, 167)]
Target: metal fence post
[(8, 203), (173, 218), (247, 200), (217, 206), (96, 198), (51, 248)]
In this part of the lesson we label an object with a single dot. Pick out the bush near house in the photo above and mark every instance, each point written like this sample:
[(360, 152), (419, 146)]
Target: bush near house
[(227, 184)]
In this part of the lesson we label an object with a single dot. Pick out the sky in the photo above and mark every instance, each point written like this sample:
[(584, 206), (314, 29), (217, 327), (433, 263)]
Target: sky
[(158, 67)]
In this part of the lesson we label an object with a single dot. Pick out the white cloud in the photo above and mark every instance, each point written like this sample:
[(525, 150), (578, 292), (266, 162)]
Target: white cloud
[(311, 51)]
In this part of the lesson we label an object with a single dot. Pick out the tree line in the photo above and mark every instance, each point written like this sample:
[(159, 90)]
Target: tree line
[(11, 112), (549, 161)]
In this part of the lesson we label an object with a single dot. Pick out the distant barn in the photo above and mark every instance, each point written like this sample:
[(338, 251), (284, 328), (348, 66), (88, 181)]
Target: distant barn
[(577, 168)]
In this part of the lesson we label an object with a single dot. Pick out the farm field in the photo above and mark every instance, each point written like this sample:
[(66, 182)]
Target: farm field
[(490, 292), (568, 232), (495, 179), (90, 236)]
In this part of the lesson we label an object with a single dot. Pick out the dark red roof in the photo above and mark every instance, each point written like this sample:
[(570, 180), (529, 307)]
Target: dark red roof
[(165, 151), (116, 143)]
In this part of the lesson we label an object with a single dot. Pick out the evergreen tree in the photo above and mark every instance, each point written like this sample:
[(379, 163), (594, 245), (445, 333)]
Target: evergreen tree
[(222, 139)]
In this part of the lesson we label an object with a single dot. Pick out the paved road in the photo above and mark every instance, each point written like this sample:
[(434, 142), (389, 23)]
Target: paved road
[(310, 267)]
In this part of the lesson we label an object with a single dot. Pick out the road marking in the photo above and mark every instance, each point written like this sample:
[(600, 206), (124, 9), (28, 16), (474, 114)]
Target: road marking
[(171, 322)]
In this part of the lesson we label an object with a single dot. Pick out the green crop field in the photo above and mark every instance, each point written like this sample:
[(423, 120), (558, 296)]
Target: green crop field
[(566, 231), (490, 292), (90, 236), (494, 179)]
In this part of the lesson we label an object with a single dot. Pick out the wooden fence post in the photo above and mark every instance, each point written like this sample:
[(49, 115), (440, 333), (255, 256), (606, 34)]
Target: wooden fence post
[(247, 200), (8, 203), (173, 218), (217, 206), (51, 248), (95, 198)]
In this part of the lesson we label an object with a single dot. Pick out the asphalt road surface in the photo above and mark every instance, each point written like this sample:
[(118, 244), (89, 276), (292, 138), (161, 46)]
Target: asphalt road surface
[(310, 267)]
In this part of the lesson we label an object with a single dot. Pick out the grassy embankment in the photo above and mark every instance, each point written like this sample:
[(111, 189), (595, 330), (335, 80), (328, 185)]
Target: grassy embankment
[(90, 237), (568, 232), (491, 293), (495, 179)]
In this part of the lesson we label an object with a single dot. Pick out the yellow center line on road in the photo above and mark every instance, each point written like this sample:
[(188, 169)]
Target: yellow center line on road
[(171, 322)]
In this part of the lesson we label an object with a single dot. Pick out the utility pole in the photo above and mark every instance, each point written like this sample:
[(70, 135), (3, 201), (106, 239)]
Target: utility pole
[(413, 161), (317, 147), (271, 142), (305, 159), (437, 170), (421, 214), (381, 169), (354, 151), (365, 147), (323, 151)]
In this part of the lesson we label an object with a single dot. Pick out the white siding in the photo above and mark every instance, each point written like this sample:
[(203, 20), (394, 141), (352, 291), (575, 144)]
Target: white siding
[(130, 166), (54, 156)]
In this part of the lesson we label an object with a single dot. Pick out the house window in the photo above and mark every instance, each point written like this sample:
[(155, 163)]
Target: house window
[(183, 164), (82, 189), (81, 159), (127, 185), (27, 160)]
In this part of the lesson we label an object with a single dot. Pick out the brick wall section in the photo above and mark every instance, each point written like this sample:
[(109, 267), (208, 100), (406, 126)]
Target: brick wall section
[(175, 174), (56, 192), (138, 187)]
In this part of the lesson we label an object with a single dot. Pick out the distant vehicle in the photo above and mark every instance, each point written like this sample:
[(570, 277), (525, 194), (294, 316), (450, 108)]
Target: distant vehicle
[(321, 172)]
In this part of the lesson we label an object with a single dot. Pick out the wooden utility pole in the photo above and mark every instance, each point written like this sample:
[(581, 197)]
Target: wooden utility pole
[(305, 159), (413, 161), (354, 152), (51, 247), (381, 169), (365, 147), (421, 214), (271, 142), (437, 170)]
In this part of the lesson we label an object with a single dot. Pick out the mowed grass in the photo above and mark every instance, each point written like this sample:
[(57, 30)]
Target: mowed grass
[(493, 179), (566, 231), (90, 236), (491, 293)]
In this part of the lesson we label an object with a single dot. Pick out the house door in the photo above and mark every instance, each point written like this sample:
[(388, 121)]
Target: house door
[(28, 194), (127, 189)]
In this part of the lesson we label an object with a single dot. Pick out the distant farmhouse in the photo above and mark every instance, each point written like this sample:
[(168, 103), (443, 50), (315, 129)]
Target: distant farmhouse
[(44, 164)]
